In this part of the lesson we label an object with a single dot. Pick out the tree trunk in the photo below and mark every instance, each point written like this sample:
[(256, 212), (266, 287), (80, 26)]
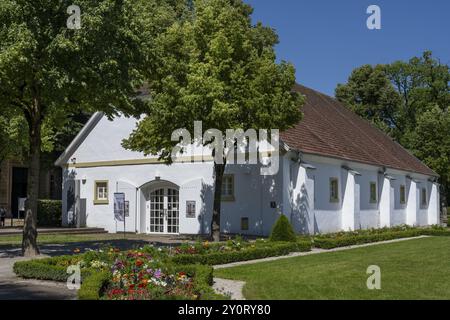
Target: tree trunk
[(29, 240), (215, 223)]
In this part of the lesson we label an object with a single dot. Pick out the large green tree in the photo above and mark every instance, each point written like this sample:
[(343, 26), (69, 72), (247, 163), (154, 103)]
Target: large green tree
[(214, 66), (430, 141), (48, 71), (370, 94), (13, 143), (410, 101)]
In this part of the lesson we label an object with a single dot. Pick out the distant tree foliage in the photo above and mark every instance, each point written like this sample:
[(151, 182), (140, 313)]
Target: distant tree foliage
[(410, 101)]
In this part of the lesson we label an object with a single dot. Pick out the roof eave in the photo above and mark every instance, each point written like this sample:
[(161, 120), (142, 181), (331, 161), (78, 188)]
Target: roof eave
[(76, 142), (367, 163)]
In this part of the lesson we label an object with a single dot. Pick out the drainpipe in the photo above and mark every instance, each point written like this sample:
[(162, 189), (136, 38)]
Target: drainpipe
[(136, 211), (261, 203)]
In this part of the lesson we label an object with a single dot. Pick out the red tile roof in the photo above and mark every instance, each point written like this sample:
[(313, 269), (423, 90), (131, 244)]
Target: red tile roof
[(330, 129)]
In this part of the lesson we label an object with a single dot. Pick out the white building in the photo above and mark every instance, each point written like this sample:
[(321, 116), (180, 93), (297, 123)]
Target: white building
[(337, 172)]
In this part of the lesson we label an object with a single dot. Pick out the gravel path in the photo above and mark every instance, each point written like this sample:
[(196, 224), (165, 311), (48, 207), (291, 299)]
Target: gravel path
[(231, 288)]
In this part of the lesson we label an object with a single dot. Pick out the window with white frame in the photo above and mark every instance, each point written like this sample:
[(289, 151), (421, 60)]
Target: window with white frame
[(228, 187), (101, 192)]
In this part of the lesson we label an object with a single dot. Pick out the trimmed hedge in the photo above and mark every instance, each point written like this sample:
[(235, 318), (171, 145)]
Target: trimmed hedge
[(93, 285), (349, 240), (49, 213), (283, 231), (44, 269), (223, 257)]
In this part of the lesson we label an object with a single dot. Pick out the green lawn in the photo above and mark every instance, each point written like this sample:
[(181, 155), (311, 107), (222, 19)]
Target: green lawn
[(67, 238), (413, 269)]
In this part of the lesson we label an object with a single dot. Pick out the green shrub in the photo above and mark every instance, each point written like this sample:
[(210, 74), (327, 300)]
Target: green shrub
[(49, 213), (283, 231), (223, 257)]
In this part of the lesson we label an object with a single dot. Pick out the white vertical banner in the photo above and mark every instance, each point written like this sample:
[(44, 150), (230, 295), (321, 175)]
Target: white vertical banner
[(119, 206)]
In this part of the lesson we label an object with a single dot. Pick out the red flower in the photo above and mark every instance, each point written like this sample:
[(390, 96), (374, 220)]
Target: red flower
[(139, 263), (116, 292)]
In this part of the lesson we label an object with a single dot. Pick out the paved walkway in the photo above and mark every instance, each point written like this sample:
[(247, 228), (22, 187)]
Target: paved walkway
[(14, 288), (59, 249)]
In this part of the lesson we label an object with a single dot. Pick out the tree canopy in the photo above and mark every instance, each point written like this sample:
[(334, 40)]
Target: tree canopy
[(49, 72), (214, 66)]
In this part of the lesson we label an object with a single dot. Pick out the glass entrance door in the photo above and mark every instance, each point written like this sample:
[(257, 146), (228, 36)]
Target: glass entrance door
[(164, 211)]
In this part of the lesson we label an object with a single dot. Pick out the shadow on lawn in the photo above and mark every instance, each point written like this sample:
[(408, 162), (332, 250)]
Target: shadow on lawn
[(13, 251)]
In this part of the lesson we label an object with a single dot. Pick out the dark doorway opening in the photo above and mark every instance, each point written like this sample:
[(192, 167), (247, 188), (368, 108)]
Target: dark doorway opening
[(19, 188)]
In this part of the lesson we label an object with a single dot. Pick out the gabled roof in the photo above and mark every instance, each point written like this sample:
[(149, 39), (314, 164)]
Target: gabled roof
[(328, 128)]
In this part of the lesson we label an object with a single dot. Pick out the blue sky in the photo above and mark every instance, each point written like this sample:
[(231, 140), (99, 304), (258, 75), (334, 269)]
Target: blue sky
[(327, 39)]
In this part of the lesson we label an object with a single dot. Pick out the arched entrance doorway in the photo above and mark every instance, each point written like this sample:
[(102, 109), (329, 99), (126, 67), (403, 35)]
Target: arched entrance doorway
[(163, 208)]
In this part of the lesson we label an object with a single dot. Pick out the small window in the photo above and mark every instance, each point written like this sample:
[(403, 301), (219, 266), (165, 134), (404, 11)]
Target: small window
[(334, 190), (101, 192), (373, 192), (244, 223), (424, 197), (402, 194), (228, 188)]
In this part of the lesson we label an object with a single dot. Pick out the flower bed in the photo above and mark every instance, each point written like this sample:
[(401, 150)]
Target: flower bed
[(141, 274), (137, 275)]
